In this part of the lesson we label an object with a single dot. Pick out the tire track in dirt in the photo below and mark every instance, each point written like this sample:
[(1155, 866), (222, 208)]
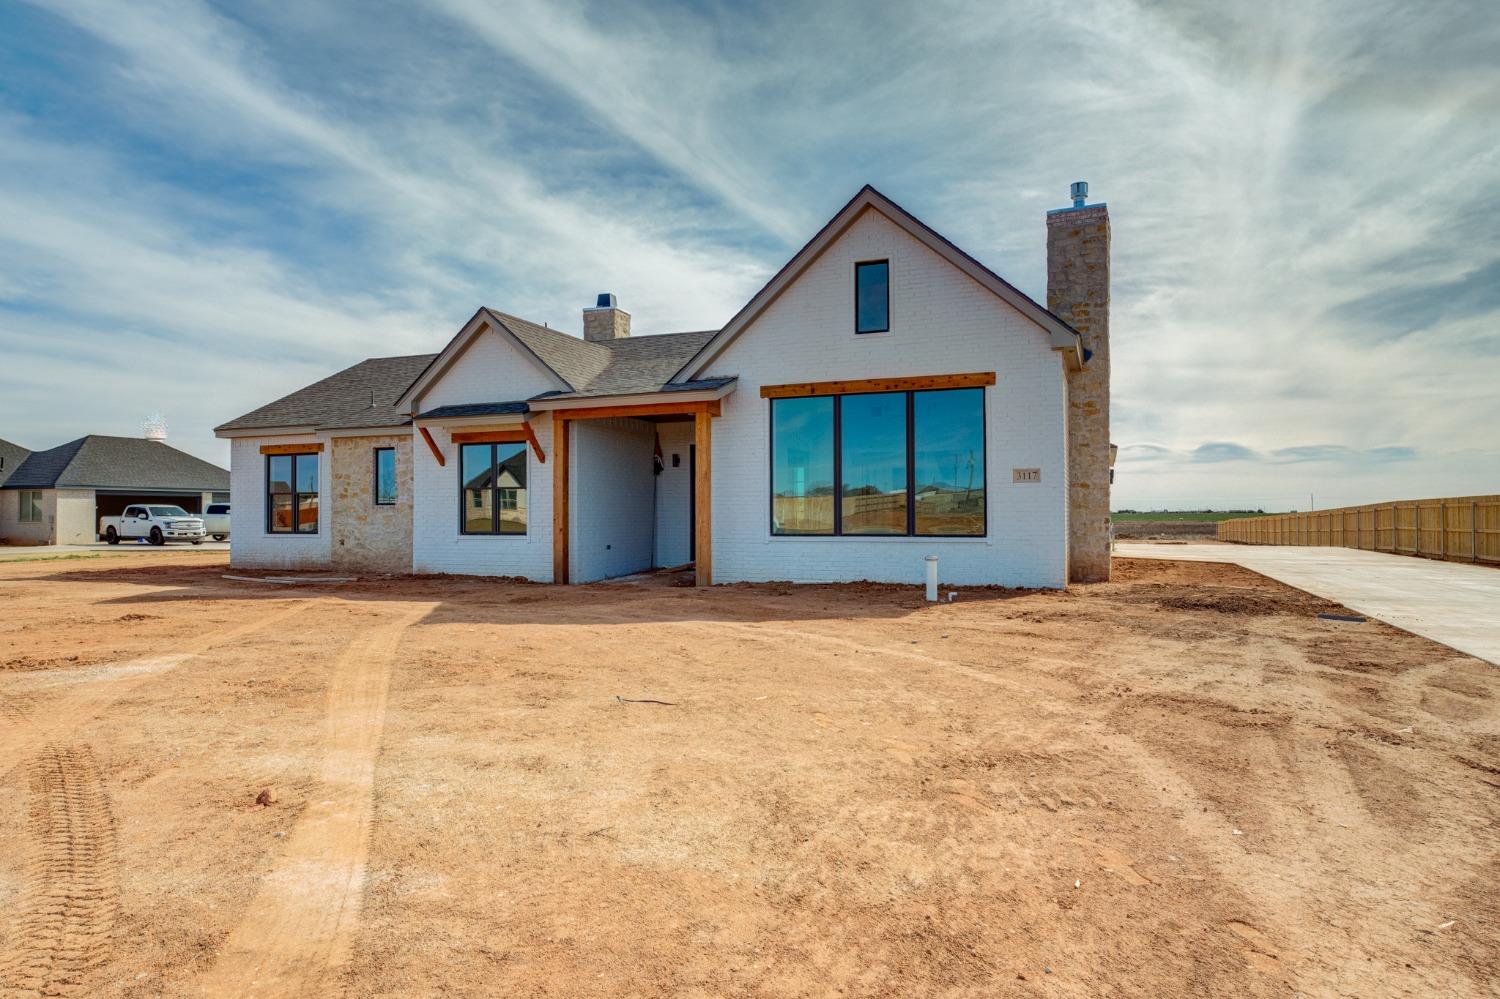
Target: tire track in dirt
[(68, 905), (97, 687), (297, 933)]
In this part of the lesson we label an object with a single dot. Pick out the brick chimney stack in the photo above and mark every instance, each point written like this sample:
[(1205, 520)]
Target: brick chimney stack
[(605, 321), (1078, 291)]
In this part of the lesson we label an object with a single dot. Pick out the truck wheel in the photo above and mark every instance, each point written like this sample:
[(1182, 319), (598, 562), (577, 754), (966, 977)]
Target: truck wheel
[(220, 537), (156, 538), (197, 541), (111, 536)]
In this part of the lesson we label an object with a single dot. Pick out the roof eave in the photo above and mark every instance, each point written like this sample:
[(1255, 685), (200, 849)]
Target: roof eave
[(482, 319), (549, 403)]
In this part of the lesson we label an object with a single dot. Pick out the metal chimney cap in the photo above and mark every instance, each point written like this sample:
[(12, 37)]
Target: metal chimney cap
[(605, 301), (1079, 192)]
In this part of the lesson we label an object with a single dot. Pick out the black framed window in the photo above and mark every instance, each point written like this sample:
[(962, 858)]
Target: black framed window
[(900, 463), (292, 493), (872, 458), (872, 296), (492, 489), (385, 476)]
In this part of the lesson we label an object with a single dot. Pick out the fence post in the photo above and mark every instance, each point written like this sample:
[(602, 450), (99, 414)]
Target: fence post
[(1395, 530), (1442, 529), (1474, 531), (1418, 531)]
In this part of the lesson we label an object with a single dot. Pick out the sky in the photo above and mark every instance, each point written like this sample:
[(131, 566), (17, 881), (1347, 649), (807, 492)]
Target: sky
[(206, 206)]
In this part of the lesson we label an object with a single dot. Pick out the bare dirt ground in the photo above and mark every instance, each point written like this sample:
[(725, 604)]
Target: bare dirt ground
[(1182, 783)]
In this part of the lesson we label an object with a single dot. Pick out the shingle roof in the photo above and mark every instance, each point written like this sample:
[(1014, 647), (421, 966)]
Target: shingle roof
[(360, 396), (100, 462), (612, 367), (476, 409), (11, 456), (607, 367)]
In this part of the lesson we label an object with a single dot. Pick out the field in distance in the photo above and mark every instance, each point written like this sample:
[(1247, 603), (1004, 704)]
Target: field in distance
[(1183, 525)]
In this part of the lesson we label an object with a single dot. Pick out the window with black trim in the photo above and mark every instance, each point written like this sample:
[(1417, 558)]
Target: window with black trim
[(872, 296), (385, 476), (31, 506), (492, 489), (879, 464), (292, 493)]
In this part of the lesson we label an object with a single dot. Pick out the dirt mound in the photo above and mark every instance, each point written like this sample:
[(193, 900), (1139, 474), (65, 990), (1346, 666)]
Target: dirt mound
[(1247, 601)]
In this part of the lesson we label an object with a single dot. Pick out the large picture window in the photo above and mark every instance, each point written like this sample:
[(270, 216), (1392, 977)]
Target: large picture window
[(292, 493), (492, 488), (899, 464), (802, 466)]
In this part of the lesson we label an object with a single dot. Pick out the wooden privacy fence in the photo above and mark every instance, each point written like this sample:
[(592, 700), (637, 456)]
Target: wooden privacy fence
[(1459, 528)]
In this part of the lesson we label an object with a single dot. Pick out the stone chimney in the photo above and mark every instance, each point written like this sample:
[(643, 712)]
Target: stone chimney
[(1078, 291), (605, 321)]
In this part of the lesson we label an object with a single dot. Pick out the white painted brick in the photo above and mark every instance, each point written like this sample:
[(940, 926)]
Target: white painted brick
[(251, 546), (941, 323), (611, 516)]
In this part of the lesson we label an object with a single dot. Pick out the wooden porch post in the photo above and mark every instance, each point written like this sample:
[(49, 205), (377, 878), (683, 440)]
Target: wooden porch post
[(703, 557), (559, 499)]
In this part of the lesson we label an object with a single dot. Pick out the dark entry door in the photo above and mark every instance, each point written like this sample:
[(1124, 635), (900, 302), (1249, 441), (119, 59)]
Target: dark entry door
[(692, 502)]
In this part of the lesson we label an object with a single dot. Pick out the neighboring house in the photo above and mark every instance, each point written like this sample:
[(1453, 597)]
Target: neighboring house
[(11, 456), (883, 398), (56, 497)]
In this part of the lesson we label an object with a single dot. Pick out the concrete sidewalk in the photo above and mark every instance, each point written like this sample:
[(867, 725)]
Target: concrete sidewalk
[(1448, 602)]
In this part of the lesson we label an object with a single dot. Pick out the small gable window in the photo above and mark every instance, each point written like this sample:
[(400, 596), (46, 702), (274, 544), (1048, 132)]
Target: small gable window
[(872, 296)]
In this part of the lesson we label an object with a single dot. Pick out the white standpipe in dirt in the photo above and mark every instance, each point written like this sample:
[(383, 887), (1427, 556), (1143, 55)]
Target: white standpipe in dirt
[(932, 579)]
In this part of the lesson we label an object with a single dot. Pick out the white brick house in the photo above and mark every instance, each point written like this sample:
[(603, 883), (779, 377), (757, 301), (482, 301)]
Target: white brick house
[(883, 398)]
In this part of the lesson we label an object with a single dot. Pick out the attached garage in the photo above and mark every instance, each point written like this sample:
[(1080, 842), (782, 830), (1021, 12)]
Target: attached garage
[(56, 497)]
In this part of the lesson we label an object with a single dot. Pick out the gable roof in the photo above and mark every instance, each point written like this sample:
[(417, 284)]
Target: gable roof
[(586, 368), (11, 456), (357, 397), (99, 462), (1062, 336)]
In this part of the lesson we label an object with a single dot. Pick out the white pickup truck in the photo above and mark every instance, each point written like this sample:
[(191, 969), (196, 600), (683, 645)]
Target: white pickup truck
[(216, 520), (157, 523)]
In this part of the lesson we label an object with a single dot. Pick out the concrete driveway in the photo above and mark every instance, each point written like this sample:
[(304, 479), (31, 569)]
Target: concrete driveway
[(1448, 602), (8, 552)]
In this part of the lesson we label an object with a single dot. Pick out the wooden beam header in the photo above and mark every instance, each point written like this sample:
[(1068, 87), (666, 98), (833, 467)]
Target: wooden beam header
[(514, 435), (916, 383), (712, 407), (518, 434), (290, 448)]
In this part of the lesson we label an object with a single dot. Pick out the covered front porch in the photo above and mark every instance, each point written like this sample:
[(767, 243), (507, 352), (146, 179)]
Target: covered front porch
[(614, 511)]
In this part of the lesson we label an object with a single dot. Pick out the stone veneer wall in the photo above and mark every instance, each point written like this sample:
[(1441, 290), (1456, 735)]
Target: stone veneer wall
[(1078, 291), (365, 536), (605, 324)]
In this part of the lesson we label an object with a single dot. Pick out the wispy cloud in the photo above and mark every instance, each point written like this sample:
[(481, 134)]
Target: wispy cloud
[(1302, 251)]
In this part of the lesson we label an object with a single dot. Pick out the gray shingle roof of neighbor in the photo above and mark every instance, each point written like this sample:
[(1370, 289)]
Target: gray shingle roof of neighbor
[(359, 396), (11, 456), (99, 462)]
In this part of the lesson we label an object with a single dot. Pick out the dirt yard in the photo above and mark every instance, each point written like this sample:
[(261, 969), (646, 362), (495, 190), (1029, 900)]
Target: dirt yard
[(1182, 783)]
